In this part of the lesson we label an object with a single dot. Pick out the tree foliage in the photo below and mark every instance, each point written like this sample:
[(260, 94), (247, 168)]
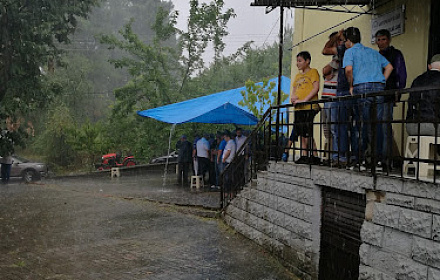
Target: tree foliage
[(160, 72), (206, 23), (109, 19), (247, 63), (53, 142), (29, 34), (257, 97), (88, 141), (151, 64), (29, 31)]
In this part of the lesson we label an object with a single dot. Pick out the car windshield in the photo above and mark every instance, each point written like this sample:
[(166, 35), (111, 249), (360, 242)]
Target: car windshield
[(21, 159)]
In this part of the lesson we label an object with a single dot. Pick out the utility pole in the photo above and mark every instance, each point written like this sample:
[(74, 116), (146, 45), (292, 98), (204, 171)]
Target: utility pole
[(280, 73)]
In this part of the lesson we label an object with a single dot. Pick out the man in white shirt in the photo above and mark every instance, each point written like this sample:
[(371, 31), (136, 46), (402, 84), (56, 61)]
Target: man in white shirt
[(230, 149), (203, 147), (228, 156), (242, 157), (6, 164)]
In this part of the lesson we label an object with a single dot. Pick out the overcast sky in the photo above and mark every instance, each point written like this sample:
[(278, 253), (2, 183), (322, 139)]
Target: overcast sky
[(250, 24)]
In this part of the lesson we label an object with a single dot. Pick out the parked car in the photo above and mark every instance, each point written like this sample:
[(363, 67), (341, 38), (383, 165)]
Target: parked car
[(28, 170), (172, 157)]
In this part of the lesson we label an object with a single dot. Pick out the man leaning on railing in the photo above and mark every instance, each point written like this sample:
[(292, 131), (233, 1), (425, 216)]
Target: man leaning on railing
[(367, 71), (396, 80)]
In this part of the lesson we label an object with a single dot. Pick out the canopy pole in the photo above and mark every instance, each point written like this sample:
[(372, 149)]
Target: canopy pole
[(280, 72), (173, 126)]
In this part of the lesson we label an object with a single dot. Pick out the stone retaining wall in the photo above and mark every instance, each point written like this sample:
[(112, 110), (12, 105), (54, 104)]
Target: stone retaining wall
[(400, 236), (281, 214)]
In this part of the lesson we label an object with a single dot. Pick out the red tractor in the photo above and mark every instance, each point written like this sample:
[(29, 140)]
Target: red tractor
[(115, 160)]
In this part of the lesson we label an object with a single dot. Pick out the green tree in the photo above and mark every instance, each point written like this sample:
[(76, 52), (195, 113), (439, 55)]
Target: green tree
[(73, 87), (88, 142), (157, 69), (54, 141), (248, 63), (29, 34), (86, 47), (29, 31), (150, 65), (83, 81), (257, 97), (206, 22)]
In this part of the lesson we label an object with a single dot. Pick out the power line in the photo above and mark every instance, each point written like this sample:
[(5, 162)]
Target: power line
[(339, 24), (324, 31)]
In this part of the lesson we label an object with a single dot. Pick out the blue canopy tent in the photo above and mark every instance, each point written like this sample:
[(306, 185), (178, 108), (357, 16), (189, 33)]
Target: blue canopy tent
[(201, 110), (217, 108)]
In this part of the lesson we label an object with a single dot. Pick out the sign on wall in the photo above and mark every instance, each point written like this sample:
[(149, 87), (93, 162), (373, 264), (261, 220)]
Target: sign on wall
[(394, 21)]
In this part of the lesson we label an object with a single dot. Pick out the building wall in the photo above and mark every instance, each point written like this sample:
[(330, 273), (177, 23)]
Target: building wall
[(400, 235)]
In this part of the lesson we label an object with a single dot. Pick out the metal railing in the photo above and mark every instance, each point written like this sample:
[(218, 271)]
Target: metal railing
[(254, 156), (359, 136)]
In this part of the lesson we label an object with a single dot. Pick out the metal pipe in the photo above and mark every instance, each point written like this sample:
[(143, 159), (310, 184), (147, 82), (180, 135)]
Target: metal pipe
[(280, 73)]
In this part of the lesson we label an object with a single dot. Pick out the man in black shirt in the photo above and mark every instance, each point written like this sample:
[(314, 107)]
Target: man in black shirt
[(184, 160), (424, 106), (396, 80)]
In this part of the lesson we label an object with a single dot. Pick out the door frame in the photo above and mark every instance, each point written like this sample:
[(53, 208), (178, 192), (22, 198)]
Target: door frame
[(434, 30)]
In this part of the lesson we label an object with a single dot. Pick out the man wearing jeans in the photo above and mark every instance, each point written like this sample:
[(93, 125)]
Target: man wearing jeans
[(6, 164), (367, 71), (397, 80), (341, 111)]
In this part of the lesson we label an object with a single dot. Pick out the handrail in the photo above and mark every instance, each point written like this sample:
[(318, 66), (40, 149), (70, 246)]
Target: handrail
[(416, 162), (246, 143)]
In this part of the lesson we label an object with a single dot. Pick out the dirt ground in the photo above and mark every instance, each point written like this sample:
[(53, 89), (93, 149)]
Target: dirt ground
[(102, 228)]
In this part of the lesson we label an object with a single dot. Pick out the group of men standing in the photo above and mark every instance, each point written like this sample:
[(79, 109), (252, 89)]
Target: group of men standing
[(360, 70), (211, 156)]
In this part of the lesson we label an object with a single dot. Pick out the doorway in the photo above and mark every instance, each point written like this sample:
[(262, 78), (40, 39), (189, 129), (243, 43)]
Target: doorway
[(343, 214)]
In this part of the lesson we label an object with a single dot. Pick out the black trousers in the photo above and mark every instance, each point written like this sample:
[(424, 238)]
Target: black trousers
[(229, 178), (5, 172), (212, 173), (239, 173), (182, 172), (203, 166)]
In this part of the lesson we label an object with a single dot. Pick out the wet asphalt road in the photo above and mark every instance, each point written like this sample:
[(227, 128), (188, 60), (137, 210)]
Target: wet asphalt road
[(102, 228)]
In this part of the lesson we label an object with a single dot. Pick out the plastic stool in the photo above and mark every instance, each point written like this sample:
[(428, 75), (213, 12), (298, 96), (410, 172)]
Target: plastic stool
[(423, 150), (115, 172), (196, 182)]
